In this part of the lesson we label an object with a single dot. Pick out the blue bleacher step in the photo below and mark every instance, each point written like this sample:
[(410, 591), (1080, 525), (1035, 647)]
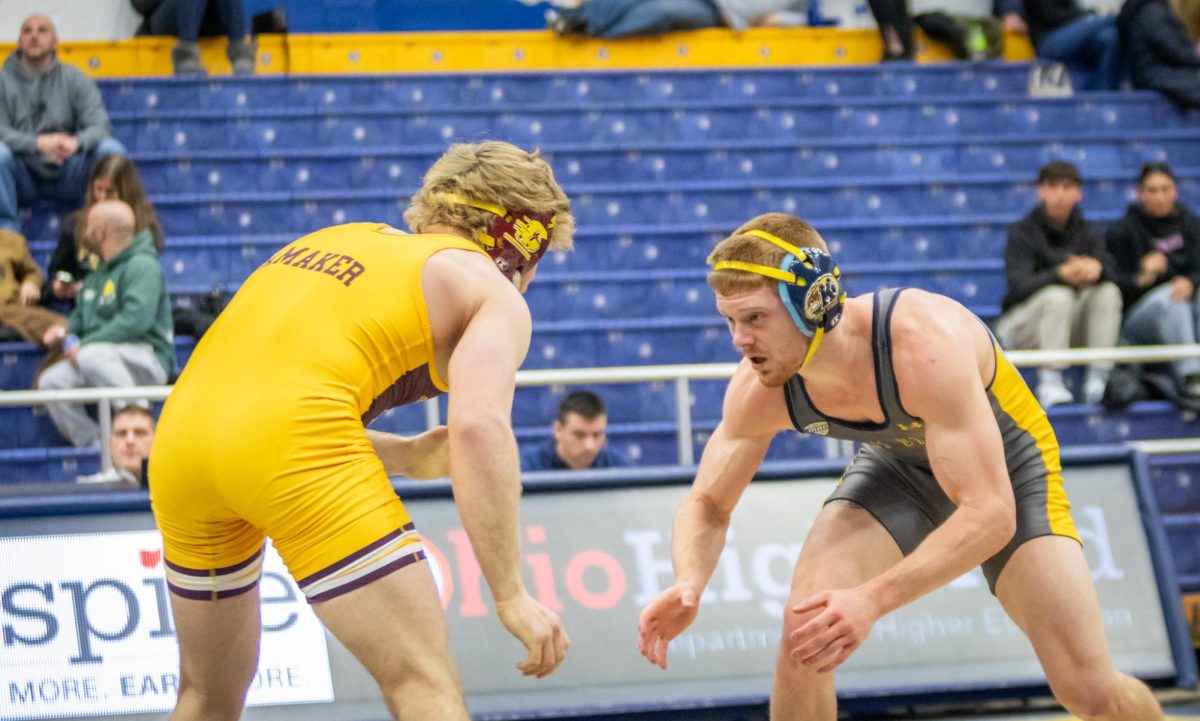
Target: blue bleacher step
[(725, 201), (46, 465), (434, 90), (299, 169), (366, 127)]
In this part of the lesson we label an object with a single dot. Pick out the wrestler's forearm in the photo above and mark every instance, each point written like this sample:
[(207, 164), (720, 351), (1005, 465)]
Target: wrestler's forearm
[(487, 491), (698, 538), (389, 448), (420, 457), (966, 539)]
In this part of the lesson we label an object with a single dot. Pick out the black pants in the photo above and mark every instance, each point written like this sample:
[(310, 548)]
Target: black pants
[(894, 14)]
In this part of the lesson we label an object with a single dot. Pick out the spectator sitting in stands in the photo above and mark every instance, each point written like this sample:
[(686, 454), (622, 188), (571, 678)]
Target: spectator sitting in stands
[(128, 447), (119, 334), (53, 126), (626, 18), (1156, 248), (114, 178), (20, 287), (1159, 53), (189, 20), (578, 439), (1060, 289), (1084, 41)]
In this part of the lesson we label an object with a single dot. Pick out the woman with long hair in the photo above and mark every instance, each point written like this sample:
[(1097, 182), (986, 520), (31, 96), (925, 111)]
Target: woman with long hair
[(115, 177), (1157, 250)]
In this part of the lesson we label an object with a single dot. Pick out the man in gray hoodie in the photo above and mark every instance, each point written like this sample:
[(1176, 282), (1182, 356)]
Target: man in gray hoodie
[(53, 127), (119, 334)]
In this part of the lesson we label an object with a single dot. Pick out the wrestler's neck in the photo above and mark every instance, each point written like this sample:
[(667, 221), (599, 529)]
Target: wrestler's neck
[(446, 230), (846, 352)]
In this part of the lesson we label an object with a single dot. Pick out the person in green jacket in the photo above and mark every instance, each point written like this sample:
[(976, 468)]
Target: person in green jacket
[(119, 334)]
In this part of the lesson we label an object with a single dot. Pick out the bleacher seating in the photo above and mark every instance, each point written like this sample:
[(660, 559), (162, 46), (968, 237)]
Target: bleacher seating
[(911, 172)]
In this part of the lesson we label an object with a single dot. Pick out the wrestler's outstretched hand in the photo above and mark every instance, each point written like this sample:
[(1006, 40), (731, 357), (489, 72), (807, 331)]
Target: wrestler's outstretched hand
[(539, 629), (665, 618)]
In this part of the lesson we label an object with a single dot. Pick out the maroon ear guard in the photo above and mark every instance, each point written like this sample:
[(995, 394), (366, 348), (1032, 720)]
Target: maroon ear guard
[(515, 239)]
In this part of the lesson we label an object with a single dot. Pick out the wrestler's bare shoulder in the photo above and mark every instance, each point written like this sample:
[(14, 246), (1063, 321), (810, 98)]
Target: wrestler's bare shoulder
[(753, 408)]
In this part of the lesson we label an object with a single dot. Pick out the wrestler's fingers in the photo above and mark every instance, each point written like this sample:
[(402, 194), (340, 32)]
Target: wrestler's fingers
[(661, 652), (550, 658), (814, 626), (841, 657), (533, 659), (808, 650), (827, 652), (812, 603)]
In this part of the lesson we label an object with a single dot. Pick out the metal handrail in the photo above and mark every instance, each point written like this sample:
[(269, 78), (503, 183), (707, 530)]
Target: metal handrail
[(680, 375)]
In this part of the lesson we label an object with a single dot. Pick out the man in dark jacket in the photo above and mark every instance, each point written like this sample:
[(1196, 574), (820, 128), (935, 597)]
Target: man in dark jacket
[(1060, 284), (579, 438), (53, 126), (1157, 49), (119, 334), (1156, 247)]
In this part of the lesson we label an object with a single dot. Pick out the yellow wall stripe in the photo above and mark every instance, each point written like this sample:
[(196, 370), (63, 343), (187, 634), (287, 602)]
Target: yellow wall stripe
[(510, 51), (1019, 403)]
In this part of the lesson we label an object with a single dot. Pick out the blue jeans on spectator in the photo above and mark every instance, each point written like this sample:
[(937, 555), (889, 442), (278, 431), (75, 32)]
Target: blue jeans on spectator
[(1157, 319), (623, 18), (189, 19), (20, 187), (1089, 47)]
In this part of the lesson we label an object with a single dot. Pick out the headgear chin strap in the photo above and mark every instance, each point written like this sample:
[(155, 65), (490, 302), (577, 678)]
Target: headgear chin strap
[(810, 286), (515, 239)]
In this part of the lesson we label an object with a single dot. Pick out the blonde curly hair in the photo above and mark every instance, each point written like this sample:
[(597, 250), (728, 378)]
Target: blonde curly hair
[(493, 172)]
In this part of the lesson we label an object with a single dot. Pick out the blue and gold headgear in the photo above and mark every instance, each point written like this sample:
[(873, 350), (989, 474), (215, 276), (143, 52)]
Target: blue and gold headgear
[(810, 285)]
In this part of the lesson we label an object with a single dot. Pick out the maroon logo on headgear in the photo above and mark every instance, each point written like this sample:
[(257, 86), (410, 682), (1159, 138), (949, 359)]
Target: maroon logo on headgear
[(519, 239)]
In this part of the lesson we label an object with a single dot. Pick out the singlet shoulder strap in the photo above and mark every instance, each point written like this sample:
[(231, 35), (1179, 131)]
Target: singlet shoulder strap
[(881, 334)]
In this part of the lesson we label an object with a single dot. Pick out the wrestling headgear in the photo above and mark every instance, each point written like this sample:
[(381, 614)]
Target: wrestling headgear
[(515, 239), (810, 284)]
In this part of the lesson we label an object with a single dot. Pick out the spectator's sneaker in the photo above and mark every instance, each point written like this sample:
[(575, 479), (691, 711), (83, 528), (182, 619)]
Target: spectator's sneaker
[(567, 21), (185, 57), (1093, 388), (1053, 393), (243, 56)]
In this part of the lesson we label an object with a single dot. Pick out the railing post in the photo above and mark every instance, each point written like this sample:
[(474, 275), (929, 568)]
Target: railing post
[(104, 416), (683, 421)]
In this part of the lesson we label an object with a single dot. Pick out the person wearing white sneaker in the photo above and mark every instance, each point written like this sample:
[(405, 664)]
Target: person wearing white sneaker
[(1061, 292)]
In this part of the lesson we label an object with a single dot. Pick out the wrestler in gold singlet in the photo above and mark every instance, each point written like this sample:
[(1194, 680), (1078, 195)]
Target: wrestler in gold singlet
[(264, 434)]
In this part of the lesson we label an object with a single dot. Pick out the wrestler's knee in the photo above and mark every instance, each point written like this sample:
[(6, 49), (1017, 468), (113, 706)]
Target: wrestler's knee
[(211, 706), (428, 679), (1087, 694)]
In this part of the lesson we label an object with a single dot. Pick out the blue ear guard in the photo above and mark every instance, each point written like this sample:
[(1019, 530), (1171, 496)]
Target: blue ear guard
[(810, 284), (816, 299)]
